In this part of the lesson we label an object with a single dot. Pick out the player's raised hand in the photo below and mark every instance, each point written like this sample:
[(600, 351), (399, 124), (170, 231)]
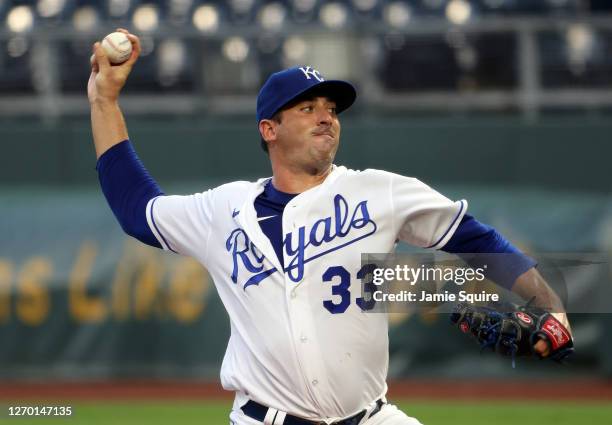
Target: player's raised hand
[(106, 80)]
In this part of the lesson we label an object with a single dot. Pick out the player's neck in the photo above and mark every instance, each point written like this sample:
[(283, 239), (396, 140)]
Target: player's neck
[(290, 180)]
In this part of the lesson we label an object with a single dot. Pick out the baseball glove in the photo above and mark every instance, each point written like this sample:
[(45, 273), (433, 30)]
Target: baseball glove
[(512, 330)]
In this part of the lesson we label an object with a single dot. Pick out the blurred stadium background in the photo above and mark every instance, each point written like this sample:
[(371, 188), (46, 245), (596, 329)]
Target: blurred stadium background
[(506, 103)]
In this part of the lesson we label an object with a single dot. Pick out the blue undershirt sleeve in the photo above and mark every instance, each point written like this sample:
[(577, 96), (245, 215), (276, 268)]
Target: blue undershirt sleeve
[(473, 237), (128, 187)]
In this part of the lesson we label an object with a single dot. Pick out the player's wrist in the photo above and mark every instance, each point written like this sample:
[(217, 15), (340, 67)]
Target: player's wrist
[(104, 102)]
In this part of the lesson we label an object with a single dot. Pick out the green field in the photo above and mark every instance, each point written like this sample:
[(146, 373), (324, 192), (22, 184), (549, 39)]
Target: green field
[(430, 413)]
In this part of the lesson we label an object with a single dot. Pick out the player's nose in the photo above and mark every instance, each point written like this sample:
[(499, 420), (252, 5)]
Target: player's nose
[(324, 115)]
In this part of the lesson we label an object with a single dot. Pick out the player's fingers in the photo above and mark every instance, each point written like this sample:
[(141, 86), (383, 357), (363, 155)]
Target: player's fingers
[(93, 63), (136, 48), (101, 58), (123, 30), (542, 348)]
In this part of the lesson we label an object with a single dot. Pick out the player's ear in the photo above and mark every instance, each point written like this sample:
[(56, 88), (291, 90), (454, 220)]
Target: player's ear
[(267, 129)]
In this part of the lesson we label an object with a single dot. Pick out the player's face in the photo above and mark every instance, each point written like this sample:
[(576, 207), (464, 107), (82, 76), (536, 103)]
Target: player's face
[(309, 133)]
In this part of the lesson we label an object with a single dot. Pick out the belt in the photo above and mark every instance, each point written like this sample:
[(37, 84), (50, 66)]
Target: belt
[(258, 412)]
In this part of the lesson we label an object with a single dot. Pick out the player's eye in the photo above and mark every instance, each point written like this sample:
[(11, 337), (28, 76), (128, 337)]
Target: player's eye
[(308, 108), (332, 110)]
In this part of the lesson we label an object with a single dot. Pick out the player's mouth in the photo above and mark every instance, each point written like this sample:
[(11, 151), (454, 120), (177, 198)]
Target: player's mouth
[(327, 133)]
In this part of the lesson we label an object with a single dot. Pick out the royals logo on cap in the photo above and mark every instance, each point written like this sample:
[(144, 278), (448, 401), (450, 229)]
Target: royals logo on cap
[(287, 85), (310, 72)]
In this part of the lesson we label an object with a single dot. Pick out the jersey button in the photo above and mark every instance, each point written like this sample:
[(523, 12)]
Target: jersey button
[(293, 294), (315, 382), (303, 338)]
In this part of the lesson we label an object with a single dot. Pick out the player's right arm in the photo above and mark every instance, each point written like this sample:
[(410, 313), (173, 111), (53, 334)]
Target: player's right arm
[(175, 223), (103, 88), (126, 184)]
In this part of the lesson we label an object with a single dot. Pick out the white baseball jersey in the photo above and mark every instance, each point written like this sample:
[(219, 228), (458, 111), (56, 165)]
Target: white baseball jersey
[(300, 339)]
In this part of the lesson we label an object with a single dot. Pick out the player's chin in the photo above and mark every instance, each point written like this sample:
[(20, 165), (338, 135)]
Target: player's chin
[(324, 153), (325, 143)]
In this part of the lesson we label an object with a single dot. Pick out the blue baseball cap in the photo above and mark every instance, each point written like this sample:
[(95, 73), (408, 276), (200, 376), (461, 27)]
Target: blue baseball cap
[(284, 86)]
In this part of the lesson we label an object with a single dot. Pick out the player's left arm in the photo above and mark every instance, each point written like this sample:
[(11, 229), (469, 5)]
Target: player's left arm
[(423, 217), (515, 270)]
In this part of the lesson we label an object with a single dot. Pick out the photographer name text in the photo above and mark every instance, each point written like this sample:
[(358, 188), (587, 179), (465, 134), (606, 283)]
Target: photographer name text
[(425, 296)]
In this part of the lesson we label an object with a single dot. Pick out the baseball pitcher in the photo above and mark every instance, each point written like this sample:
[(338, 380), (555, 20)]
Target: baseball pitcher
[(285, 251)]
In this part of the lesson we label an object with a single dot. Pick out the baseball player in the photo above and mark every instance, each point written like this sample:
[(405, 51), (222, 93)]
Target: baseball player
[(284, 252)]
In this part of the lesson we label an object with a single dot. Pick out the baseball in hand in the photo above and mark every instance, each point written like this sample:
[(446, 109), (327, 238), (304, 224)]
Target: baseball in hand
[(117, 47)]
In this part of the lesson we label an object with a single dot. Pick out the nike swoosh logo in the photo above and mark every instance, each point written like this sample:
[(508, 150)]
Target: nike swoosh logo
[(265, 218)]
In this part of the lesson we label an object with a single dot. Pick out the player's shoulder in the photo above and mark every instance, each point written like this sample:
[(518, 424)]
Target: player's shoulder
[(233, 190), (234, 186), (371, 174), (377, 181), (228, 191)]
